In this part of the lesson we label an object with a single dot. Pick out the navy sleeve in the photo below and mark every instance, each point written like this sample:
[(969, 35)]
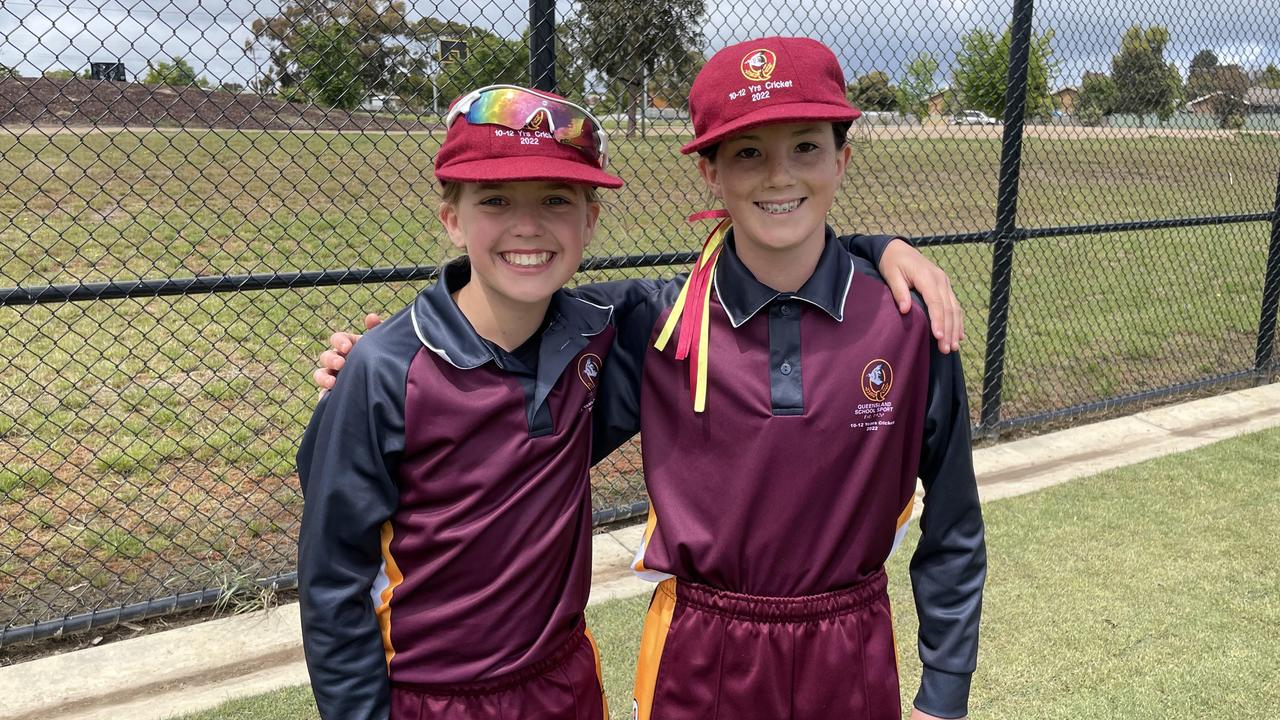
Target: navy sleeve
[(623, 295), (868, 247), (950, 563), (616, 415), (346, 465)]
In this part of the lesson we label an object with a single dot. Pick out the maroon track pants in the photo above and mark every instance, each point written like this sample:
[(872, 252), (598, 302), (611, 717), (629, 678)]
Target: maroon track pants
[(565, 686), (709, 654)]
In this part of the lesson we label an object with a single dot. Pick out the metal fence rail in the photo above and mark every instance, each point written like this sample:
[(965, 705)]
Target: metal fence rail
[(195, 197)]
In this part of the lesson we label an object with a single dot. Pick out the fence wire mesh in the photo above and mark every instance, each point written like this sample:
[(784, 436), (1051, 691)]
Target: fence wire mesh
[(196, 194)]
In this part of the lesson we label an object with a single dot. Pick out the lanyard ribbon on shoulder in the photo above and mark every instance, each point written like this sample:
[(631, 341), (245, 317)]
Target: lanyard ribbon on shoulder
[(693, 305)]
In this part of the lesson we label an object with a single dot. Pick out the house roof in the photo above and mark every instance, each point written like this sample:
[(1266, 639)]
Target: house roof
[(1258, 95)]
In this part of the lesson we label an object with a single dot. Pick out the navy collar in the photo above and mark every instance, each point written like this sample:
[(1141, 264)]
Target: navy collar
[(442, 327), (742, 295)]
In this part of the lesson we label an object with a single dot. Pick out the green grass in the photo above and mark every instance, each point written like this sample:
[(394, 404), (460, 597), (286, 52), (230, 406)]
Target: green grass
[(1152, 591), (199, 401)]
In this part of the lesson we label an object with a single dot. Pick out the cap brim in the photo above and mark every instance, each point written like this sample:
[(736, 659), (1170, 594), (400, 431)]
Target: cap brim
[(788, 113), (493, 170)]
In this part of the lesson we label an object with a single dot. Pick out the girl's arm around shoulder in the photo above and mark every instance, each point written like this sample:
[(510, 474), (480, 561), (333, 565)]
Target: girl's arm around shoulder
[(904, 268)]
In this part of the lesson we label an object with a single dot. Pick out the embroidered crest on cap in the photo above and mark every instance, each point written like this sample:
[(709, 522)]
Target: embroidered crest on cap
[(758, 65), (877, 379)]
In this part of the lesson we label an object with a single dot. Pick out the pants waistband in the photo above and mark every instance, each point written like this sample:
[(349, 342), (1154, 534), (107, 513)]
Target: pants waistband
[(505, 681), (761, 608)]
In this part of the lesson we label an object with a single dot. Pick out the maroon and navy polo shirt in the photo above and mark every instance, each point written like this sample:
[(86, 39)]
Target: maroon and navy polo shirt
[(446, 530), (822, 408)]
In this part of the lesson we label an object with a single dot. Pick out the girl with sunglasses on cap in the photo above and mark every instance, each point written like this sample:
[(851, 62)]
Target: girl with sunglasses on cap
[(638, 304), (445, 553)]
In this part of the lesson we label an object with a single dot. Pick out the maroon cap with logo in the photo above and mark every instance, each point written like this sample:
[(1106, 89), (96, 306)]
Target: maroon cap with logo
[(770, 80), (494, 153)]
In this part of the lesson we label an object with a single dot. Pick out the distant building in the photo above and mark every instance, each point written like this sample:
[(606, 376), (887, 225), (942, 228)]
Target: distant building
[(1263, 100), (1205, 104), (382, 103), (1066, 99), (939, 102)]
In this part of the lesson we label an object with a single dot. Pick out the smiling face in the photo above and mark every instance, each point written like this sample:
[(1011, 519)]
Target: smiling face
[(525, 239), (778, 183)]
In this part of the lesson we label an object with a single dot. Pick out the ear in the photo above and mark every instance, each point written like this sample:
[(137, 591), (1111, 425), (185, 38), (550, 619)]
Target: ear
[(710, 175), (449, 218), (842, 159), (593, 215)]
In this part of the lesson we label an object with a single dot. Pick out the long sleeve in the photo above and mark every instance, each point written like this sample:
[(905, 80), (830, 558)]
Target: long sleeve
[(950, 563), (868, 247), (637, 306), (346, 464)]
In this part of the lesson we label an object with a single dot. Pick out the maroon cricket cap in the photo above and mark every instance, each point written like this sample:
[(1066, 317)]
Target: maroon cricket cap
[(764, 81), (493, 153)]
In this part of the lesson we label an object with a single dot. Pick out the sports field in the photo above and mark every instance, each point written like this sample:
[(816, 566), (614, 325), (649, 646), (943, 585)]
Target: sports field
[(152, 439), (1143, 593)]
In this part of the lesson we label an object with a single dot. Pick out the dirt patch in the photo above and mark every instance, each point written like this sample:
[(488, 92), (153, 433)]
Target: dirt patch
[(42, 102)]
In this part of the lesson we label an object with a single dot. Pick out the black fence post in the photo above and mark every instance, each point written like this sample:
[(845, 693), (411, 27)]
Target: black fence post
[(1270, 298), (542, 44), (1006, 230)]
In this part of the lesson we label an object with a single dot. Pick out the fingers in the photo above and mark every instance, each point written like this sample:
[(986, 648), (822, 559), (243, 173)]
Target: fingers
[(324, 379), (341, 342), (901, 289), (371, 321), (332, 361)]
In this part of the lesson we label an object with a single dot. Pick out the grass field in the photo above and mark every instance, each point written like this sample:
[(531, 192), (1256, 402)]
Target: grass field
[(1144, 592), (146, 445)]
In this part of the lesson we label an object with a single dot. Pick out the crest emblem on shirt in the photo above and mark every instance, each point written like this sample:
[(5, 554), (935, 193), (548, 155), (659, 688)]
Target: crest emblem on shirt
[(589, 366), (877, 380)]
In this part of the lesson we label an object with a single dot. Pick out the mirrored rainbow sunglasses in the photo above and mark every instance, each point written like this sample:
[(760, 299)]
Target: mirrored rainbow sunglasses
[(521, 109)]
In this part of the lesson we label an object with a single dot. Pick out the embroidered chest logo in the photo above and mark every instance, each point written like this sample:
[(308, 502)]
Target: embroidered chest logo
[(876, 382), (589, 369)]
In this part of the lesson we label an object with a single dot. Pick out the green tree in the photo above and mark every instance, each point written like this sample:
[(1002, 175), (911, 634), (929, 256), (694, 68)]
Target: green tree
[(1270, 78), (1143, 83), (177, 73), (628, 41), (8, 72), (673, 77), (873, 92), (1230, 79), (918, 85), (490, 60), (355, 47), (1097, 98), (1204, 59), (59, 74), (981, 72)]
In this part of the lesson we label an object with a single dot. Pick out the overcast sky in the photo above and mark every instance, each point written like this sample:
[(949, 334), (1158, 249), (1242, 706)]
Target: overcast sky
[(36, 35)]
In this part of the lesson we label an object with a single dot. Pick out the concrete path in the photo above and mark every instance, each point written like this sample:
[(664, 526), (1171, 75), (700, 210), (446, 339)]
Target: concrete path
[(201, 666)]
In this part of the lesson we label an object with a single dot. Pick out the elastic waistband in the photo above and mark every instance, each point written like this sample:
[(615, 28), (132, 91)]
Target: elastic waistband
[(760, 608), (505, 681)]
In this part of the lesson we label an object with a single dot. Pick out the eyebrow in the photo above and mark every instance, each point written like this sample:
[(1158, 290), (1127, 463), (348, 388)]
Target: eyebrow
[(802, 131)]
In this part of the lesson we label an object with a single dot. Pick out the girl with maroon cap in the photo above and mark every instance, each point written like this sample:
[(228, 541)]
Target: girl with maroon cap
[(773, 265), (444, 558), (788, 409)]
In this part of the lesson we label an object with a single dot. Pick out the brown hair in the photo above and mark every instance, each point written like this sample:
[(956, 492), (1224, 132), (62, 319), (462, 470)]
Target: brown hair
[(839, 129)]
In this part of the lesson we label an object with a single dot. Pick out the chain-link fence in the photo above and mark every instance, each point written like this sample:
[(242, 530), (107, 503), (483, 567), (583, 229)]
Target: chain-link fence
[(195, 194)]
